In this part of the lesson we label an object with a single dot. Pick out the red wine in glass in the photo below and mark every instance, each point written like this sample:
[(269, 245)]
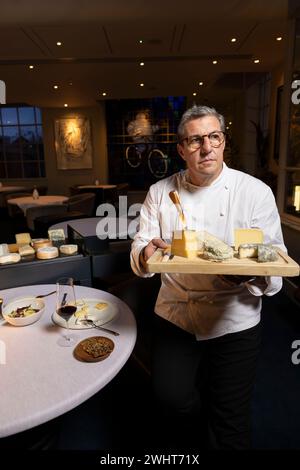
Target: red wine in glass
[(65, 306)]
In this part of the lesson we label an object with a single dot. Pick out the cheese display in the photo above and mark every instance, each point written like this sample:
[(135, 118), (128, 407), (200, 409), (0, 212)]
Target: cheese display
[(247, 236), (184, 243), (23, 238), (26, 250), (48, 252), (68, 249)]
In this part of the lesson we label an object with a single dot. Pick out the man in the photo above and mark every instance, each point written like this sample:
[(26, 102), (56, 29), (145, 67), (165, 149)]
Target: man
[(207, 327)]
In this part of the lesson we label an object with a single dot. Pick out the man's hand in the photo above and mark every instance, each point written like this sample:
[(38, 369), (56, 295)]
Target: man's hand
[(151, 248)]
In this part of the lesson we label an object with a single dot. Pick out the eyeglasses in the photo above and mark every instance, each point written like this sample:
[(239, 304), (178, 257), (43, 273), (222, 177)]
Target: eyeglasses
[(194, 142)]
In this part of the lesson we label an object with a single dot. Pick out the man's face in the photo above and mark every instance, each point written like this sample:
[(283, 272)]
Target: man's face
[(204, 164)]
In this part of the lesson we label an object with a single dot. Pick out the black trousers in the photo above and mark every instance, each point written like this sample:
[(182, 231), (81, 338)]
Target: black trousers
[(203, 389)]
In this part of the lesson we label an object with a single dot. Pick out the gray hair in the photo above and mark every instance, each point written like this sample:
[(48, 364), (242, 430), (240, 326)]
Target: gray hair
[(196, 112)]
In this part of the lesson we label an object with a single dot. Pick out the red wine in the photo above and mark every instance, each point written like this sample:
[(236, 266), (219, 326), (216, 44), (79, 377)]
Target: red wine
[(66, 311)]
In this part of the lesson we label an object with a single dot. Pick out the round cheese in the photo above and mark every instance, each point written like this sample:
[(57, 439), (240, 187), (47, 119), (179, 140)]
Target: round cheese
[(47, 252), (68, 249), (11, 258)]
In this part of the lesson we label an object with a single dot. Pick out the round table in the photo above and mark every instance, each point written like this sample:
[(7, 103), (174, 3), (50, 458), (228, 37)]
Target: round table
[(41, 380), (25, 202)]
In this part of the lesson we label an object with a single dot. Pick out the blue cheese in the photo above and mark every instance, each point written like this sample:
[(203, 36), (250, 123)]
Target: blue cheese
[(266, 253), (217, 250)]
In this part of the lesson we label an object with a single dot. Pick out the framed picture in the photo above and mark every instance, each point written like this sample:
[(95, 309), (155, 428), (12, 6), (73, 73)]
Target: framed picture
[(73, 143)]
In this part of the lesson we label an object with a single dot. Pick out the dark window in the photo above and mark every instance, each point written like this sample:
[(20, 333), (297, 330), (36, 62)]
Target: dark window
[(21, 142)]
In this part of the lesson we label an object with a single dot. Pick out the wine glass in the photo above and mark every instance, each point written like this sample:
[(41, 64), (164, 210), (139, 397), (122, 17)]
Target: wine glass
[(66, 307)]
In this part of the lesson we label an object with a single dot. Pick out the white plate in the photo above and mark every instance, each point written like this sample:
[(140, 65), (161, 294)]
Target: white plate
[(87, 307)]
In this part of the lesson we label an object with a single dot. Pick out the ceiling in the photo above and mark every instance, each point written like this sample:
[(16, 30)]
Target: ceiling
[(101, 52)]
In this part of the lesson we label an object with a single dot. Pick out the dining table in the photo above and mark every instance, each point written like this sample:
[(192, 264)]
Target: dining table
[(9, 189), (29, 201), (41, 380)]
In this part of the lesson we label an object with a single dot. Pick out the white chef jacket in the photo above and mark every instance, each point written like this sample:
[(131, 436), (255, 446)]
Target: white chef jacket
[(205, 305)]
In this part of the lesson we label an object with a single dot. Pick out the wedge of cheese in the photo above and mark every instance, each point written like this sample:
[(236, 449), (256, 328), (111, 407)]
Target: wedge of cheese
[(23, 238), (184, 243), (216, 249), (247, 236)]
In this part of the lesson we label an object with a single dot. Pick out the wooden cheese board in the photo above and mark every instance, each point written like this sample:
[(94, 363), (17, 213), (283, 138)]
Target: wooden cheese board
[(160, 262)]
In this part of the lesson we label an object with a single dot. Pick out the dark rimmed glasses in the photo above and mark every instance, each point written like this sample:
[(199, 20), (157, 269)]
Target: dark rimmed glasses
[(194, 142)]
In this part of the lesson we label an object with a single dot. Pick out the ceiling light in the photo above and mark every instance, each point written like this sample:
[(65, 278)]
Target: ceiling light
[(227, 128), (215, 62), (66, 105), (279, 38), (256, 61), (141, 64), (230, 122), (194, 94), (201, 83), (141, 41), (141, 84), (55, 87), (233, 39), (58, 43), (31, 66), (104, 94)]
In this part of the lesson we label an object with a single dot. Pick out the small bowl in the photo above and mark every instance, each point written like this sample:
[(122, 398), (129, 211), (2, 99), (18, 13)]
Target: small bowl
[(22, 302)]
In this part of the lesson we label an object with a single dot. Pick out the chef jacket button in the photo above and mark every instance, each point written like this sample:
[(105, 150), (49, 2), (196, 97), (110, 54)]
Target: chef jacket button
[(222, 214), (226, 187)]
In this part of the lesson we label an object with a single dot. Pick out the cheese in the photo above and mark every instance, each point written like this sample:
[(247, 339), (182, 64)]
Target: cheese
[(47, 252), (68, 249), (40, 243), (57, 234), (216, 249), (247, 235), (4, 249), (248, 250), (26, 250), (11, 258), (266, 253), (184, 243), (23, 238)]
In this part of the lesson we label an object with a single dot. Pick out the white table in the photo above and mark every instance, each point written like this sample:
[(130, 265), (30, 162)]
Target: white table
[(25, 202), (42, 380)]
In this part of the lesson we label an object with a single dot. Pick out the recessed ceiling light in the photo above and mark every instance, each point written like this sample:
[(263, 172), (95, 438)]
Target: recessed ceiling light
[(104, 94), (141, 41), (55, 87), (279, 38), (141, 84), (215, 62), (142, 64), (233, 39), (201, 83), (31, 66), (66, 105), (256, 61), (194, 94), (58, 43)]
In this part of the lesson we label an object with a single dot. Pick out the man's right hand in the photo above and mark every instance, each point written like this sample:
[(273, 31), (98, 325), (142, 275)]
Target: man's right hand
[(151, 248)]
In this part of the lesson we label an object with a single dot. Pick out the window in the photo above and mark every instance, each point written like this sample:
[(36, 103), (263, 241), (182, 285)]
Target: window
[(21, 142)]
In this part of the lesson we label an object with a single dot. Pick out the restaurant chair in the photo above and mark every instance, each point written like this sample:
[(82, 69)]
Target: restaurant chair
[(84, 203), (38, 211), (12, 209)]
